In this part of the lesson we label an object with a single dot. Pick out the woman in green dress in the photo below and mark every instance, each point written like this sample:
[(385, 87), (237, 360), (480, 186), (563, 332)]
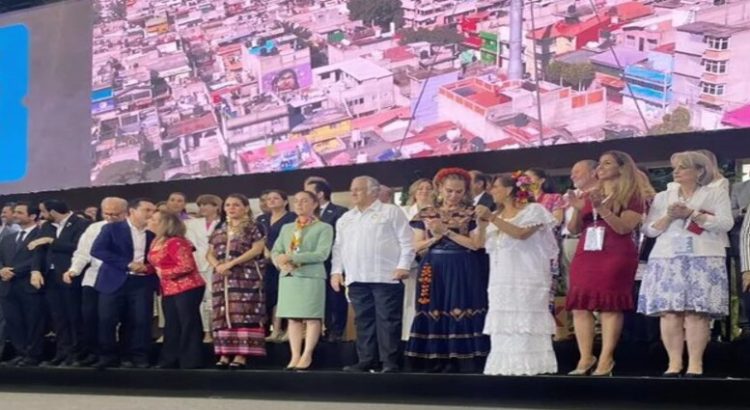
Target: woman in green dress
[(300, 253)]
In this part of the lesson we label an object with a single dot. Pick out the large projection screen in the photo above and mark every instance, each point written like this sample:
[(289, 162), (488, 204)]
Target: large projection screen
[(157, 90), (51, 147)]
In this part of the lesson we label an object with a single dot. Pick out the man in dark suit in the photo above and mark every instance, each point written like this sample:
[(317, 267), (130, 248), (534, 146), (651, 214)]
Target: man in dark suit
[(54, 249), (126, 284), (480, 184), (20, 288), (7, 227), (337, 307)]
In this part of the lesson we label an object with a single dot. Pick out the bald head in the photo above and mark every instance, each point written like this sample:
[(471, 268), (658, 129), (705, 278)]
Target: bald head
[(114, 209)]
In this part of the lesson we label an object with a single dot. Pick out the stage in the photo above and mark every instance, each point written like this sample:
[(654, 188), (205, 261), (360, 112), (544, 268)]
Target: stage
[(636, 383)]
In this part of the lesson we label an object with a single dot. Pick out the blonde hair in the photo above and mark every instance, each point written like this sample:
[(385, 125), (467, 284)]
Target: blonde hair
[(714, 163), (415, 186), (172, 225), (631, 183), (697, 161)]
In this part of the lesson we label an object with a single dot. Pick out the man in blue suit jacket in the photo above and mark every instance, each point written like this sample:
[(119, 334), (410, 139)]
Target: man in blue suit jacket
[(126, 286), (337, 307)]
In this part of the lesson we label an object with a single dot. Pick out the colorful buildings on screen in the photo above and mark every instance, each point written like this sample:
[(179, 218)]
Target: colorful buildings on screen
[(190, 88)]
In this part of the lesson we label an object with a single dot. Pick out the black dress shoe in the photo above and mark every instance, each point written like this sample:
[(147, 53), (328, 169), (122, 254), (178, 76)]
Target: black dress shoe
[(141, 365), (359, 368), (166, 366), (87, 361), (28, 362), (13, 362), (390, 369), (105, 364), (56, 361)]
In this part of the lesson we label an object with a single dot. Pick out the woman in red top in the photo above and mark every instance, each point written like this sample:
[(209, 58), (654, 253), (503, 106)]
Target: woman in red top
[(602, 272), (182, 289)]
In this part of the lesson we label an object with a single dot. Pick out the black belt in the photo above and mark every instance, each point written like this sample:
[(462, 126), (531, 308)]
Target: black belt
[(450, 251), (571, 236)]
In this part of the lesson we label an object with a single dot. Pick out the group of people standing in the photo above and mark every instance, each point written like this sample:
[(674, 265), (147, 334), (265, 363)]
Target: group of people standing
[(463, 273)]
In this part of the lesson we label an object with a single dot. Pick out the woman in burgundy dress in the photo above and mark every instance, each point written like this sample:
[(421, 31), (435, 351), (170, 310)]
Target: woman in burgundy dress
[(603, 269)]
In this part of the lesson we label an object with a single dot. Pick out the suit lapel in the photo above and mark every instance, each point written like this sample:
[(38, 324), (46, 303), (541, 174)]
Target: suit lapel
[(127, 239)]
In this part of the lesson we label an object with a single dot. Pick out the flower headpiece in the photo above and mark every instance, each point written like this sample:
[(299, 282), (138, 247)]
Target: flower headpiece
[(445, 172), (524, 187)]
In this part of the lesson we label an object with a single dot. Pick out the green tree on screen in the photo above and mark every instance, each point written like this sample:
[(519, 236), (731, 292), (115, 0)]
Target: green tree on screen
[(377, 12)]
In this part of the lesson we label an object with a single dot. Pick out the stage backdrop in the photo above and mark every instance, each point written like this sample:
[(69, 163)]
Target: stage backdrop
[(110, 92)]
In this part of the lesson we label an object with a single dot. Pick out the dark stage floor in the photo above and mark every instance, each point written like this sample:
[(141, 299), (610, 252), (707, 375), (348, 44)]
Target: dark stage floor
[(636, 384)]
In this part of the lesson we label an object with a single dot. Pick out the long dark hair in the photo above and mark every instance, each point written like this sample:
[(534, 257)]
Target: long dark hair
[(548, 186)]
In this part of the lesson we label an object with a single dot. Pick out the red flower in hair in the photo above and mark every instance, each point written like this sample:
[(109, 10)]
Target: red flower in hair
[(445, 172)]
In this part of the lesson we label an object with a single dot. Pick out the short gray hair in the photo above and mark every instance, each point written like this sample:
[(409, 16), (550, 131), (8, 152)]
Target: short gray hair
[(590, 163), (699, 162), (122, 203), (373, 186)]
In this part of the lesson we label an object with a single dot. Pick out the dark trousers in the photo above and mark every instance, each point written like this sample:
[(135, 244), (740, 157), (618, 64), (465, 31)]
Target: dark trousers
[(132, 305), (64, 303), (90, 317), (3, 335), (183, 330), (337, 309), (24, 320), (378, 311)]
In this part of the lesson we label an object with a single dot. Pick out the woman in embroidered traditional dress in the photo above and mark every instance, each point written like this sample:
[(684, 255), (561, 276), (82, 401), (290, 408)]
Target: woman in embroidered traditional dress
[(520, 240), (182, 288), (300, 253), (236, 254), (543, 193), (451, 301)]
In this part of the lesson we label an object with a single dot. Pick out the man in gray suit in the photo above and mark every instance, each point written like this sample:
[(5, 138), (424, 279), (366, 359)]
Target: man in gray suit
[(7, 228), (740, 199)]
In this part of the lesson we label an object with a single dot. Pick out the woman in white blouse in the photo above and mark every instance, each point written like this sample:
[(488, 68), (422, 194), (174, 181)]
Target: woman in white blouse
[(685, 282), (421, 195)]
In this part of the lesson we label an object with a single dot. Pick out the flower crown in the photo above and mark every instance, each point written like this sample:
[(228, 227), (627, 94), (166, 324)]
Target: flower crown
[(445, 172), (524, 187)]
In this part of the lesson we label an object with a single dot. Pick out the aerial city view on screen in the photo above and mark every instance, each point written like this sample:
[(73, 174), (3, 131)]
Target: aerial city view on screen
[(197, 88)]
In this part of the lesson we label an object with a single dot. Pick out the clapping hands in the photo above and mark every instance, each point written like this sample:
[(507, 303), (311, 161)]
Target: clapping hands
[(679, 211)]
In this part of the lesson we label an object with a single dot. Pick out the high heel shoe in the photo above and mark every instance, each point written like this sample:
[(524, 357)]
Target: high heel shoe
[(584, 372), (221, 365), (608, 373), (237, 366)]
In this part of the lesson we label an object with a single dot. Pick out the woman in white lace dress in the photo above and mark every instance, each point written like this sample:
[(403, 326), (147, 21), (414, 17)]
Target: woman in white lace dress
[(520, 243)]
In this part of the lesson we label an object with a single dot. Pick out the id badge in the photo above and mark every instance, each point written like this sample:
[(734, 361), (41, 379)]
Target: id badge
[(594, 239), (683, 245)]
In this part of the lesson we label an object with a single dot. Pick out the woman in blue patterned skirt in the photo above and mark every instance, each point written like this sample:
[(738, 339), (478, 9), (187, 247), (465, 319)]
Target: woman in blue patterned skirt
[(685, 282), (446, 334)]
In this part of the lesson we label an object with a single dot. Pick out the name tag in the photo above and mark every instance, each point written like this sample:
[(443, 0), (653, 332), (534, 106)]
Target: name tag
[(683, 245), (594, 239)]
